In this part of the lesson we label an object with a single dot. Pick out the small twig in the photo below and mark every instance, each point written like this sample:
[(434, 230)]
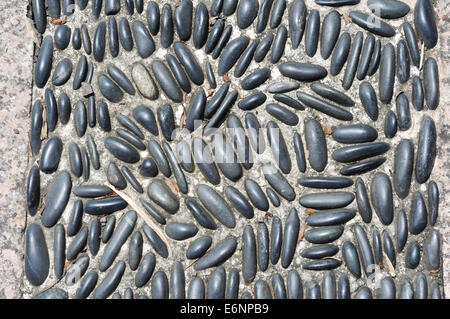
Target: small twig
[(144, 216)]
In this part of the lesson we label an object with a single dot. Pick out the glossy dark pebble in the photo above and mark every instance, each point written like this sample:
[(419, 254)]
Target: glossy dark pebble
[(331, 26), (377, 246), (108, 229), (323, 264), (362, 199), (204, 160), (316, 145), (255, 79), (375, 60), (52, 293), (216, 284), (254, 132), (252, 101), (145, 270), (217, 255), (240, 141), (433, 202), (426, 150), (278, 182), (76, 270), (362, 167), (166, 121), (155, 241), (353, 60), (403, 112), (324, 106), (87, 285), (290, 238), (364, 250), (372, 24), (279, 44), (76, 39), (387, 289), (386, 76), (351, 258), (357, 133), (181, 231), (198, 247), (121, 150), (239, 202), (366, 54), (340, 53), (368, 99), (313, 290), (388, 9), (425, 23), (86, 39), (231, 54), (297, 20), (62, 37), (312, 33), (132, 179), (304, 72), (56, 199), (403, 167), (37, 261), (388, 248), (43, 66), (278, 146), (324, 235), (51, 155), (179, 73), (200, 215), (77, 244), (249, 261), (325, 182), (418, 217), (381, 196), (216, 205), (319, 251), (246, 13), (263, 47), (412, 255), (327, 200), (105, 206), (348, 154), (330, 217), (282, 114), (110, 282), (144, 41), (166, 81), (403, 62), (125, 37), (189, 62), (160, 193), (431, 83)]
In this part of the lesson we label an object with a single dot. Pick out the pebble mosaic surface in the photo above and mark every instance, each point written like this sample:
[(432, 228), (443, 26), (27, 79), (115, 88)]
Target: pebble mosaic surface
[(234, 149)]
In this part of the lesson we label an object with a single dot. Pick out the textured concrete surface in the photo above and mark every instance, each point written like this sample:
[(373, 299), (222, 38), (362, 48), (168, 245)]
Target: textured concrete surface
[(15, 102), (16, 50)]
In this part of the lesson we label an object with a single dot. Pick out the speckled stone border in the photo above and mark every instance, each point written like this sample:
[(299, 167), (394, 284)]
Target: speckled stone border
[(16, 47)]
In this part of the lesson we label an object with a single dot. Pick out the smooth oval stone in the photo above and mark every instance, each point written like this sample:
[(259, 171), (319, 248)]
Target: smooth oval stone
[(62, 37), (86, 39), (216, 205), (112, 7), (388, 248), (76, 39), (324, 235), (189, 62), (148, 168), (196, 110), (366, 55), (92, 191), (215, 102), (386, 76), (313, 290), (51, 109), (256, 195), (108, 229), (426, 150), (217, 255), (312, 33), (319, 251), (120, 78), (431, 83), (54, 8), (403, 63), (263, 47), (365, 251), (245, 59), (406, 289), (145, 270), (77, 270), (52, 293), (403, 113), (239, 202), (113, 37), (368, 99), (388, 9), (132, 180), (357, 152), (327, 200), (105, 206), (418, 216), (77, 244), (278, 146), (299, 152), (403, 167), (144, 41), (412, 255), (166, 121), (381, 196), (377, 247), (279, 289), (390, 124), (200, 215), (109, 89), (183, 19), (222, 41), (80, 118), (104, 119), (263, 246), (276, 240), (254, 132), (39, 15), (330, 217), (201, 26), (262, 290), (351, 258), (372, 24), (76, 217), (37, 261), (51, 155), (297, 20), (357, 133), (289, 101), (122, 150), (167, 28), (158, 155), (196, 289), (331, 26), (324, 107), (210, 76), (80, 73), (329, 285), (110, 282), (153, 17), (278, 182), (99, 42), (144, 81), (178, 73), (246, 13), (387, 289), (177, 281), (263, 16), (421, 284), (325, 264), (294, 285), (340, 53), (120, 235), (425, 23), (412, 42), (363, 293), (332, 94), (362, 200), (343, 288), (282, 114), (33, 190), (433, 202), (417, 93), (43, 66), (204, 160), (316, 145), (166, 81), (56, 199), (64, 108), (198, 247), (232, 289), (216, 284), (362, 167), (252, 101), (145, 116), (353, 60), (62, 73), (160, 193), (36, 127), (249, 267), (231, 54), (290, 238), (304, 72), (279, 44), (274, 199), (325, 182), (125, 37), (181, 231), (155, 241), (215, 34), (87, 285), (401, 230), (153, 212), (255, 79)]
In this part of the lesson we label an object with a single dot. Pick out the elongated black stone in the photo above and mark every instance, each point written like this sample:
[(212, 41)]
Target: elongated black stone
[(43, 66), (357, 133), (263, 47), (51, 155), (366, 55), (362, 167), (86, 39), (328, 200), (218, 255), (324, 264), (401, 230), (388, 9), (77, 244), (144, 41), (249, 267), (279, 43), (312, 33), (255, 79), (351, 258), (135, 250), (324, 235), (189, 62), (433, 202), (332, 94), (325, 182), (340, 53), (62, 37), (330, 217), (348, 154), (425, 23), (198, 247), (160, 193), (183, 19), (362, 200), (166, 81), (201, 26), (216, 205), (353, 59), (368, 99), (279, 148), (426, 150), (324, 107), (304, 72), (412, 255), (331, 26), (403, 63), (122, 150), (153, 17), (320, 251), (431, 83), (200, 215), (110, 282), (297, 20), (125, 37), (382, 199), (290, 238), (37, 261), (87, 285), (56, 199), (246, 13), (282, 114), (364, 250), (316, 145), (299, 152), (372, 24), (105, 206), (411, 40), (156, 242), (204, 160), (386, 76), (403, 167), (418, 216), (388, 248)]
